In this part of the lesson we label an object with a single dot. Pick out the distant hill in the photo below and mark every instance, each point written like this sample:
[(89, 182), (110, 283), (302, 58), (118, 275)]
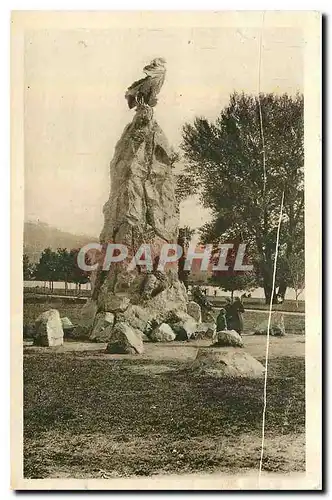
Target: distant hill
[(39, 235)]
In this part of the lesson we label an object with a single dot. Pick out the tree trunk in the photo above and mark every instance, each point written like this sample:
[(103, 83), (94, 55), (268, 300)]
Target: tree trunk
[(267, 292), (282, 290), (232, 295)]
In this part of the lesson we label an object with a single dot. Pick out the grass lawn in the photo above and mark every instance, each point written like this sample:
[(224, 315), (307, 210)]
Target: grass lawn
[(256, 303), (293, 323), (88, 415), (249, 303), (32, 310)]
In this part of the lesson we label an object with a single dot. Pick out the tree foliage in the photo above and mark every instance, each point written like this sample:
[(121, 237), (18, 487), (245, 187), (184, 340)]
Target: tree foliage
[(184, 186), (243, 169), (296, 272), (60, 266), (233, 280), (28, 268), (47, 267)]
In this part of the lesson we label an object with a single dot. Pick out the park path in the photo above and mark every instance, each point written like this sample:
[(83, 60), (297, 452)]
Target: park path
[(290, 313), (290, 346)]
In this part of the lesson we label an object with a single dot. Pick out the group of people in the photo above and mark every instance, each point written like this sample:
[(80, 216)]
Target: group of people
[(230, 316)]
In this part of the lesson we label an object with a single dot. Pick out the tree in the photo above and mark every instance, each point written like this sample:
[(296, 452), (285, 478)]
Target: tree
[(201, 299), (184, 237), (47, 267), (28, 268), (243, 164), (233, 280), (183, 189), (77, 275), (296, 271), (64, 266)]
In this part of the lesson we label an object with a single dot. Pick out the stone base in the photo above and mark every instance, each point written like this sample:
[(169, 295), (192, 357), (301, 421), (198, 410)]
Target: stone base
[(142, 209)]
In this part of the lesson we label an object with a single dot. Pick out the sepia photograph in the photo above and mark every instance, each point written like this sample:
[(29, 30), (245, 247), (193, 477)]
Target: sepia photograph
[(166, 234)]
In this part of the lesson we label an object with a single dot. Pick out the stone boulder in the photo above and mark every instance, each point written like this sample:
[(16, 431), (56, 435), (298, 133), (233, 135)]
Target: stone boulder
[(67, 324), (112, 302), (204, 331), (48, 329), (138, 317), (124, 340), (177, 316), (86, 320), (227, 338), (162, 333), (144, 337), (101, 329), (195, 311), (28, 330), (182, 324), (184, 329), (277, 326), (68, 328), (226, 362), (174, 297)]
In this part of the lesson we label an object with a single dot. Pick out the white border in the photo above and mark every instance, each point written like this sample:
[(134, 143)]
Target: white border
[(5, 197)]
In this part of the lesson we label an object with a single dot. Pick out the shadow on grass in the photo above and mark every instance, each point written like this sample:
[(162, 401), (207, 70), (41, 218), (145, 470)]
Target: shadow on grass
[(94, 414)]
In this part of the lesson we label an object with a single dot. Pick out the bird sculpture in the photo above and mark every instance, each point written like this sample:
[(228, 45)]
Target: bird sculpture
[(145, 90)]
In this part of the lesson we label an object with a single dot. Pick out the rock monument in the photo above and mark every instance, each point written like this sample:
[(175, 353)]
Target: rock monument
[(141, 209)]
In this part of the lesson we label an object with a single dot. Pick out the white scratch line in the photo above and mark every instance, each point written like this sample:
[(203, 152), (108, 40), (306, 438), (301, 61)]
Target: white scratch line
[(268, 334), (277, 244)]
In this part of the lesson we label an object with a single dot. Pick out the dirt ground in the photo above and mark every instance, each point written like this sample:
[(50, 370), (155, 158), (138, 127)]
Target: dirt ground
[(291, 345)]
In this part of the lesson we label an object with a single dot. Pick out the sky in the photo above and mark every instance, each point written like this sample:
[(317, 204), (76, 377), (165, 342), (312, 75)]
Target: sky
[(75, 110)]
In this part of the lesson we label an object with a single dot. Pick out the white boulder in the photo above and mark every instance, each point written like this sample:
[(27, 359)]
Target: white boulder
[(195, 311), (162, 333), (227, 338), (124, 340), (101, 330), (48, 329)]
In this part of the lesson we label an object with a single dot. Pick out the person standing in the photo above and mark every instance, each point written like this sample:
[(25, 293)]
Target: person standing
[(221, 320), (236, 314), (229, 312)]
